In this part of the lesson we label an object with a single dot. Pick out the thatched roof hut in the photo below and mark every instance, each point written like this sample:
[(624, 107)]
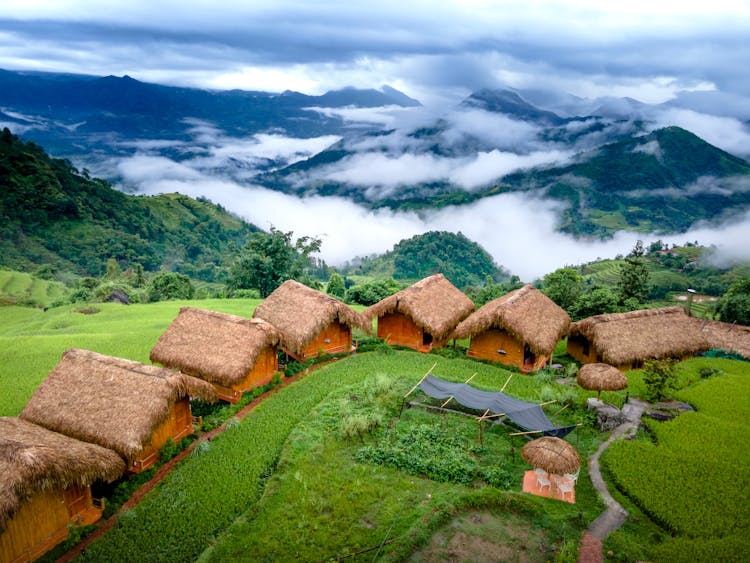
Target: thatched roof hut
[(526, 313), (434, 304), (552, 454), (216, 347), (601, 377), (110, 401), (624, 339), (302, 313), (726, 336), (34, 459)]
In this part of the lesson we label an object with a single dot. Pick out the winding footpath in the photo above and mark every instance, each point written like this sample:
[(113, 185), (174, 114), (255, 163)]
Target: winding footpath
[(614, 515)]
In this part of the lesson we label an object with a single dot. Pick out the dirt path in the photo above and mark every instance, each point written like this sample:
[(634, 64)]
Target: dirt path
[(167, 467), (614, 515)]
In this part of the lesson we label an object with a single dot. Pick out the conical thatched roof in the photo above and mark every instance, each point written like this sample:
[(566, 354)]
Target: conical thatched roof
[(217, 347), (526, 313), (601, 377), (109, 401), (34, 459), (624, 338), (434, 304), (301, 313), (552, 454), (725, 336)]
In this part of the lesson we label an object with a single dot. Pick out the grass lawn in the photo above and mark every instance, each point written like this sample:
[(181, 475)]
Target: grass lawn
[(691, 474), (32, 341)]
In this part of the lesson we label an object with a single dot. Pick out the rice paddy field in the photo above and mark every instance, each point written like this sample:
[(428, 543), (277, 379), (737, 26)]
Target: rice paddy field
[(292, 480), (25, 289)]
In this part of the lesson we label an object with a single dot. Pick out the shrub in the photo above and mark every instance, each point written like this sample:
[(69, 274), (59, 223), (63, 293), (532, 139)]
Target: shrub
[(660, 379)]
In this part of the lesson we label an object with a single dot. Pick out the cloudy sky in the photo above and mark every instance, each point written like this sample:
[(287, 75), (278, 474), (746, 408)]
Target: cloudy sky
[(693, 53), (645, 49)]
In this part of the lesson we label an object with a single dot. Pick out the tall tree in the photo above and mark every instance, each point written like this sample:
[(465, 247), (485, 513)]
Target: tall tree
[(564, 286), (734, 306), (268, 260), (336, 286), (634, 276)]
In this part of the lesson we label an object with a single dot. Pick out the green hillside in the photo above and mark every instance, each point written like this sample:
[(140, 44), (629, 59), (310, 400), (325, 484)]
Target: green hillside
[(461, 260), (52, 214)]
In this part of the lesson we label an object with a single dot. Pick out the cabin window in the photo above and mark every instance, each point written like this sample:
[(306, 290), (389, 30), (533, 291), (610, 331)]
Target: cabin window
[(327, 340), (426, 338)]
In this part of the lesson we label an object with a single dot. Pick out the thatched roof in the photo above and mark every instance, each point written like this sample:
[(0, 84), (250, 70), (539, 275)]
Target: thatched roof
[(301, 313), (109, 401), (526, 313), (601, 377), (434, 304), (34, 459), (726, 336), (552, 454), (623, 338), (217, 347)]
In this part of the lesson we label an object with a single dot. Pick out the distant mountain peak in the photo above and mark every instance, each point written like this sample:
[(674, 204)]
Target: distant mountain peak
[(510, 103)]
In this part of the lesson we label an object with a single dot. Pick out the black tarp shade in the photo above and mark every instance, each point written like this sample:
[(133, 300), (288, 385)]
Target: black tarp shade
[(528, 416)]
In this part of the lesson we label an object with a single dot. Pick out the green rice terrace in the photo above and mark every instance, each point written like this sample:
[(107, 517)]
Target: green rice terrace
[(330, 467)]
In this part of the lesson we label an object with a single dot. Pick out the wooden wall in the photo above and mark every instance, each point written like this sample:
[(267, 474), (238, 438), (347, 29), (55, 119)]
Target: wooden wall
[(399, 329), (178, 424), (486, 346), (333, 339), (265, 366), (42, 522), (582, 350)]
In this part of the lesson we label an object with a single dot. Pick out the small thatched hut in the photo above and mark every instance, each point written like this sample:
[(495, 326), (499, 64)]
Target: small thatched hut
[(311, 322), (625, 340), (519, 329), (119, 404), (232, 353), (553, 455), (45, 487), (601, 377), (422, 316)]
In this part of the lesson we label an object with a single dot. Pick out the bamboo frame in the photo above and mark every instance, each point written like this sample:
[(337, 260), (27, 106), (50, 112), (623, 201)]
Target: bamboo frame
[(421, 380)]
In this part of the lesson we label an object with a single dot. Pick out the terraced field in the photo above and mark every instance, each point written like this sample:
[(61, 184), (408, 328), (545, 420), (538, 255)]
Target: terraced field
[(24, 289)]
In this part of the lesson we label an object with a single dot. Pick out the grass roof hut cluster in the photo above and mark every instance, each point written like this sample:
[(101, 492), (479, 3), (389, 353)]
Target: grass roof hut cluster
[(625, 340), (232, 353), (422, 316), (45, 480), (310, 321), (127, 406), (519, 329)]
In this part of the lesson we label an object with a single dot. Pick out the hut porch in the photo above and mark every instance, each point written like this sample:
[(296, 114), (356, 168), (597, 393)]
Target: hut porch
[(399, 329), (335, 338), (500, 346), (178, 424)]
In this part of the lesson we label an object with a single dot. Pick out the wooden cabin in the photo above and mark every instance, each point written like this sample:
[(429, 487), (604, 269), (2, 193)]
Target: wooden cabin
[(625, 340), (232, 353), (45, 487), (311, 322), (520, 329), (126, 406), (422, 316)]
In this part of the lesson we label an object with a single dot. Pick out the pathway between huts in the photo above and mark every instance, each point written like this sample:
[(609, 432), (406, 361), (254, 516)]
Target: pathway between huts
[(167, 467), (614, 515)]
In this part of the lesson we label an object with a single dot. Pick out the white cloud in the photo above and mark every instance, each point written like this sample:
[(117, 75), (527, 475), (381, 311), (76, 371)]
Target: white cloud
[(492, 166)]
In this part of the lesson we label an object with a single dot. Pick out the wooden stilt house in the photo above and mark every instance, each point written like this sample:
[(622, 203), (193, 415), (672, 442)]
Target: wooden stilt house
[(422, 316), (119, 404), (519, 329), (45, 487), (625, 340), (311, 322), (232, 353)]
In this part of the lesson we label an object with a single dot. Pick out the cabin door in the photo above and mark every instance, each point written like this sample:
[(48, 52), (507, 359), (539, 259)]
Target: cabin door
[(528, 358)]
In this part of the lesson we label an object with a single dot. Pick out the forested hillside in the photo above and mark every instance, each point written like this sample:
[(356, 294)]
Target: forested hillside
[(52, 214)]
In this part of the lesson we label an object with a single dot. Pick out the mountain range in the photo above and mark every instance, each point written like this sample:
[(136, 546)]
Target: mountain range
[(608, 164)]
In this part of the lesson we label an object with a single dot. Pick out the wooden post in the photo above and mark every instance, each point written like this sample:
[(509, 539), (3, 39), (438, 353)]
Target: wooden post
[(420, 381), (448, 400), (506, 382), (472, 377)]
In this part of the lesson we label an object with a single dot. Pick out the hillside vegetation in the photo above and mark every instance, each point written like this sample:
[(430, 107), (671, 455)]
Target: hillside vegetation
[(52, 214)]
